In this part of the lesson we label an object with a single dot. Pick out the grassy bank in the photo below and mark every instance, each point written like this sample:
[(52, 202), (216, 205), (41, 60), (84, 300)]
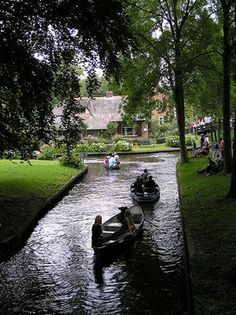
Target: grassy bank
[(151, 148), (210, 221), (24, 189)]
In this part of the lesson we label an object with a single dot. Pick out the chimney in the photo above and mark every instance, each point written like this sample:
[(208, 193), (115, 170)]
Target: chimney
[(109, 94)]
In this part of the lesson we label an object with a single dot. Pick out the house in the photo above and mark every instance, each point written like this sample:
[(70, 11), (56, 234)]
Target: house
[(98, 112)]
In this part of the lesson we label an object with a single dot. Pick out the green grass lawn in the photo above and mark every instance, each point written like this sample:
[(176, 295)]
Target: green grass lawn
[(210, 220), (25, 188), (147, 147)]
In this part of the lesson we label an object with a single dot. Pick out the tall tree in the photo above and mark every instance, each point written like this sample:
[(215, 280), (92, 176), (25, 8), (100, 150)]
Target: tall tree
[(36, 37), (232, 189), (173, 37), (227, 54)]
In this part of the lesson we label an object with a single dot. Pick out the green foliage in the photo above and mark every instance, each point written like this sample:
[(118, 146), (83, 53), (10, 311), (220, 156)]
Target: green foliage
[(11, 155), (91, 139), (36, 43), (173, 141), (48, 151), (111, 128), (122, 146), (71, 161), (162, 131), (90, 147), (117, 138)]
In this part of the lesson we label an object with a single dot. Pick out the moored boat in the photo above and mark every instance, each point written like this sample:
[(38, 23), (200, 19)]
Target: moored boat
[(114, 237)]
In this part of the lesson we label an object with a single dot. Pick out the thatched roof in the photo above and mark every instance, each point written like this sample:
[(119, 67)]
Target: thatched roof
[(99, 111)]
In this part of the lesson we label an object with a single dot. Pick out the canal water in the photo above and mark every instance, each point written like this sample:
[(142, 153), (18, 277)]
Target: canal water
[(56, 271)]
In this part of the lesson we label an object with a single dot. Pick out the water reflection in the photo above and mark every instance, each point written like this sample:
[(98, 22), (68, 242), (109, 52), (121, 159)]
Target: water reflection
[(57, 273)]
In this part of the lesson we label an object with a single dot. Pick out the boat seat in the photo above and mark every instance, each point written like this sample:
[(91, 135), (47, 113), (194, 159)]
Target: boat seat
[(107, 232), (116, 224)]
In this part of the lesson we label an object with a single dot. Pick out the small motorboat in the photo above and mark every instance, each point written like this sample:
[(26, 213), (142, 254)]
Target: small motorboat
[(145, 197), (113, 241)]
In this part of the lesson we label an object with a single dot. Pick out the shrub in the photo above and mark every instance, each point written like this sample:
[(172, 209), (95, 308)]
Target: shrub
[(48, 152), (11, 155), (91, 139), (97, 147), (118, 138), (173, 141), (122, 146), (72, 161), (160, 140)]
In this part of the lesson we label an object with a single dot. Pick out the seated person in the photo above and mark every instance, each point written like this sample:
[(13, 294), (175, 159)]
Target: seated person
[(137, 185), (150, 184), (117, 158), (97, 238), (126, 218), (145, 175), (121, 215), (128, 221), (202, 151), (211, 168), (112, 161), (106, 160)]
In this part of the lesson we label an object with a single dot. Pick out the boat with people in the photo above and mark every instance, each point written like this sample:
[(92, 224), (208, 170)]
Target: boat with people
[(144, 189), (112, 162), (115, 234)]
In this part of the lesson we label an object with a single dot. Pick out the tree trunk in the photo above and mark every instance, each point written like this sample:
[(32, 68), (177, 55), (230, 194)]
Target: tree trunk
[(232, 189), (226, 89), (179, 103)]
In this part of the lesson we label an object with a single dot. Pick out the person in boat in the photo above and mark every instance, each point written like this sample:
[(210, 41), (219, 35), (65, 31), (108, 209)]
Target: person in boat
[(112, 162), (116, 156), (106, 160), (144, 176), (129, 222), (97, 238), (150, 185), (126, 218), (137, 186)]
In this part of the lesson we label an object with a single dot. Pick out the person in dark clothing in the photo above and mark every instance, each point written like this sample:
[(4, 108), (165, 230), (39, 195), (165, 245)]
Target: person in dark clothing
[(97, 238), (122, 213), (211, 168), (137, 185), (202, 140), (145, 175), (150, 184)]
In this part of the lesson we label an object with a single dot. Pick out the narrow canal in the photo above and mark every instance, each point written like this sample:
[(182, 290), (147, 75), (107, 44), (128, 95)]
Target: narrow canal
[(55, 273)]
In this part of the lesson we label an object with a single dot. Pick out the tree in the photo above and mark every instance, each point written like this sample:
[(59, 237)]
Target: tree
[(173, 40), (37, 37), (232, 189), (111, 128), (227, 53)]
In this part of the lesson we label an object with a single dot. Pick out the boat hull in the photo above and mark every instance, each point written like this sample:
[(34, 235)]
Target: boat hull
[(144, 198)]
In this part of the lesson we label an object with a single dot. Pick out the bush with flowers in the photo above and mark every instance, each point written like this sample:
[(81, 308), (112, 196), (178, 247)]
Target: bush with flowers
[(173, 141), (122, 146)]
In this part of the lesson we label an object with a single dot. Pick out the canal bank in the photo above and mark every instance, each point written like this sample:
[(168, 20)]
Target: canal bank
[(13, 241), (210, 232)]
